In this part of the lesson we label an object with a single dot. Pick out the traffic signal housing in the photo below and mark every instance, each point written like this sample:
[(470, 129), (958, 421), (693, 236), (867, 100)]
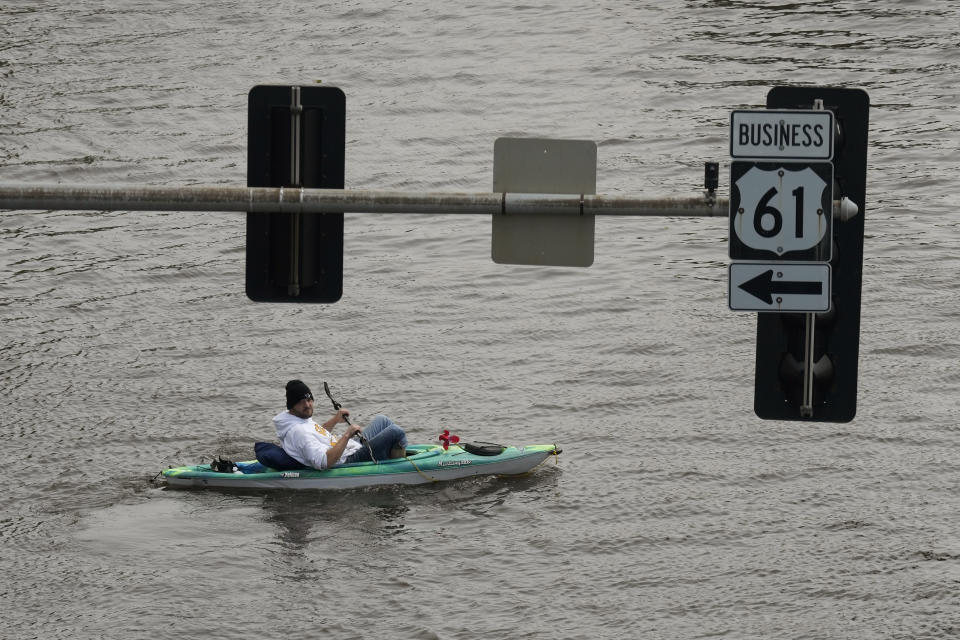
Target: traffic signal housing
[(296, 138), (785, 340)]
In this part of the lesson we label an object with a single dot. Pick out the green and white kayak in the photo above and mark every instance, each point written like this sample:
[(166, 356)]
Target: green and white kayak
[(423, 464)]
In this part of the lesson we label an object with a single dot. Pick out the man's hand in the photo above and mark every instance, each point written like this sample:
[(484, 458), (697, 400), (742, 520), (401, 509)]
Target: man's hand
[(334, 452), (339, 416)]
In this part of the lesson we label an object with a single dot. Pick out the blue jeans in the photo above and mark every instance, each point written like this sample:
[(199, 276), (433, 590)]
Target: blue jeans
[(382, 434)]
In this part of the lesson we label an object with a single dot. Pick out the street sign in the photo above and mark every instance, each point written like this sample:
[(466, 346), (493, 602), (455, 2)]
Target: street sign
[(781, 211), (796, 134), (780, 287)]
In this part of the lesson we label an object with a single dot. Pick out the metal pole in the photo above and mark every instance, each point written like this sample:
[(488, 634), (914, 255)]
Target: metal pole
[(296, 112), (806, 405), (300, 200)]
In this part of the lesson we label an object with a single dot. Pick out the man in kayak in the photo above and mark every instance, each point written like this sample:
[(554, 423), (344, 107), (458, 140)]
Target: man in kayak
[(314, 444)]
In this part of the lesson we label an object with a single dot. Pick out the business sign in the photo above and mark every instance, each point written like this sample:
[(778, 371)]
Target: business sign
[(780, 287), (769, 134), (781, 211)]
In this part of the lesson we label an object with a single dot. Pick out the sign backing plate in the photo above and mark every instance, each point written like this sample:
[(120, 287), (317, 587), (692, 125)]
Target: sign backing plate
[(543, 165)]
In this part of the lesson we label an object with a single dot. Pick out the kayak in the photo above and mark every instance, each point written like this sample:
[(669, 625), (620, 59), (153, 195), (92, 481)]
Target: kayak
[(423, 464)]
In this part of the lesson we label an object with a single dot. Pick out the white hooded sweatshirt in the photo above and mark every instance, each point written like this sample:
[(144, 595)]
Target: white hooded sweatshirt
[(307, 441)]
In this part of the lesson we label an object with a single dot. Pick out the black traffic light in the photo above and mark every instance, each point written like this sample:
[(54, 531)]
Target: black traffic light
[(295, 139), (783, 340)]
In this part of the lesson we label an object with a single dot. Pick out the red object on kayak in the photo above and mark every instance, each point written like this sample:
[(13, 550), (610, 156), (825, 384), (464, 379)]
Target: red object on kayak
[(448, 439)]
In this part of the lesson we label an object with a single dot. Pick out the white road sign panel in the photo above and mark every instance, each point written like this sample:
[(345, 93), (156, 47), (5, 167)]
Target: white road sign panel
[(797, 134), (781, 211), (780, 287)]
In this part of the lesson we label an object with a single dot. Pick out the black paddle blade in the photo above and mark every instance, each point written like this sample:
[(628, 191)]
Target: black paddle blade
[(326, 389), (336, 407)]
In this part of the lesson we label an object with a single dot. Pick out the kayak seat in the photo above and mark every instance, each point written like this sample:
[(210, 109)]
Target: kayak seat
[(270, 455)]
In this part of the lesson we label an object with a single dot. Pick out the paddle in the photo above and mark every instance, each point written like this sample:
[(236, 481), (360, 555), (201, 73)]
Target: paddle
[(336, 407)]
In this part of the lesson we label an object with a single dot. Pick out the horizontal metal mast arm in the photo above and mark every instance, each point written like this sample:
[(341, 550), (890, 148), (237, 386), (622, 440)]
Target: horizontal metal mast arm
[(295, 199), (299, 200)]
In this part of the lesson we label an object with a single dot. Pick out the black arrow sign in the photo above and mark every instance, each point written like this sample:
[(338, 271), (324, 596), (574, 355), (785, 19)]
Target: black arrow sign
[(763, 287)]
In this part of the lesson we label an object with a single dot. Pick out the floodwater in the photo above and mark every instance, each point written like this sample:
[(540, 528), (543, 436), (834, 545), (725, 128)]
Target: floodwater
[(127, 343)]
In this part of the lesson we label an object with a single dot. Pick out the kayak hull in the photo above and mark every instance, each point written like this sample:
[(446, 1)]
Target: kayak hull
[(429, 464)]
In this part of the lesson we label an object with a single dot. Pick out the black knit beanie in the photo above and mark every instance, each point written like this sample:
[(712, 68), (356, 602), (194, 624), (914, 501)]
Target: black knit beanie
[(297, 391)]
